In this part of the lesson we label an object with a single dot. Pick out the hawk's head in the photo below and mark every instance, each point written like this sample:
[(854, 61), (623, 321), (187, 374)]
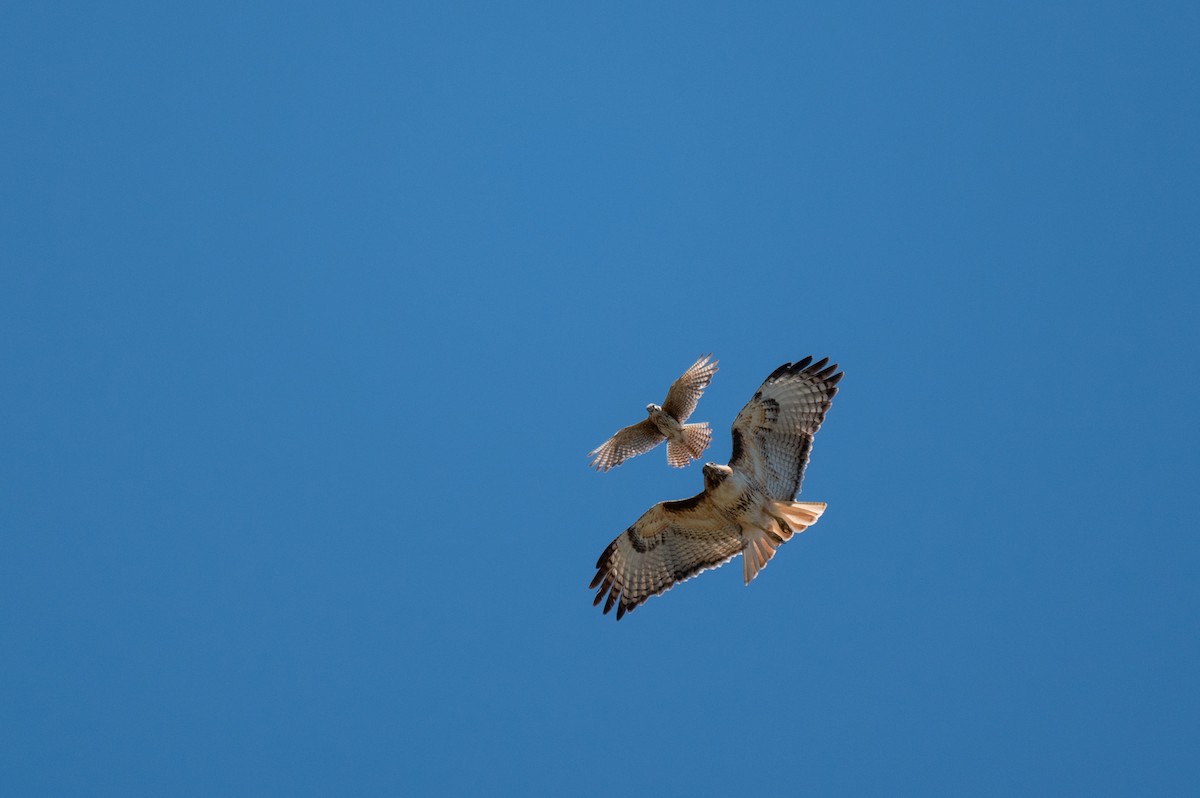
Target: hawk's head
[(715, 474), (652, 408)]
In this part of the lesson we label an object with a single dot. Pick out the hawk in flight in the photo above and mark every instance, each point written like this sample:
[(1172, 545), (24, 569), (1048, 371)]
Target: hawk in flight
[(747, 507), (685, 442)]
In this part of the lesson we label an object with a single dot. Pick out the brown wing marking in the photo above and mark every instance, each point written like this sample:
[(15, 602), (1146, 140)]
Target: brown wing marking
[(627, 442), (670, 543), (684, 393), (773, 432)]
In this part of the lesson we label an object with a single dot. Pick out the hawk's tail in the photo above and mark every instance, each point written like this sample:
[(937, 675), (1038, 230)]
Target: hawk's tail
[(695, 440), (796, 516), (790, 518)]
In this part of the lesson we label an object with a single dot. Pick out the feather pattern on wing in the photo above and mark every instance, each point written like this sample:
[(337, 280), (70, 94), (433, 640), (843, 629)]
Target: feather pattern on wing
[(772, 435), (684, 393), (670, 543), (628, 442), (687, 442)]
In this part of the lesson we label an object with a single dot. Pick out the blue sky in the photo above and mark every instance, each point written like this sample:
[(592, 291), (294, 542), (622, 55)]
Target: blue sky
[(309, 317)]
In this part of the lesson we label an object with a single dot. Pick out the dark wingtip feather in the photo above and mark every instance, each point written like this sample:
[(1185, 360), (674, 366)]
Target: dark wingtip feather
[(836, 378), (789, 368), (608, 550), (799, 365), (824, 373), (778, 372), (620, 610)]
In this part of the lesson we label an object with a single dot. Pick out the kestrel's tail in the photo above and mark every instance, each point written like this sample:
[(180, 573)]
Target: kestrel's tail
[(695, 440), (790, 518)]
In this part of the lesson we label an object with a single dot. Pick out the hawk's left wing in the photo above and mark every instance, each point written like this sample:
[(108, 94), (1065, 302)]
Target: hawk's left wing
[(773, 433), (671, 542)]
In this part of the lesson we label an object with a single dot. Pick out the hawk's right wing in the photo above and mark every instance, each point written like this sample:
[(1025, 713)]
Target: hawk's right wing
[(671, 542), (627, 442)]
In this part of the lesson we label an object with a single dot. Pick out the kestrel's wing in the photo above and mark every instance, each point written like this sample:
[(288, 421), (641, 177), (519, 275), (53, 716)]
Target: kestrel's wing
[(627, 442), (671, 542), (773, 433), (685, 392)]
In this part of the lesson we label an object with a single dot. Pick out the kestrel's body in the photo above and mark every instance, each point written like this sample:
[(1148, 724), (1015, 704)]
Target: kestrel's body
[(685, 442), (667, 424), (747, 507)]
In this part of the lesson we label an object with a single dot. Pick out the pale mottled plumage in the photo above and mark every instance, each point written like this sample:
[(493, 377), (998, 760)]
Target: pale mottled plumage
[(746, 507), (685, 442)]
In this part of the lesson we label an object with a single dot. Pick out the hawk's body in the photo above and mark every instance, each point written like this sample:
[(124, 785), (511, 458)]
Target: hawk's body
[(746, 507), (685, 442)]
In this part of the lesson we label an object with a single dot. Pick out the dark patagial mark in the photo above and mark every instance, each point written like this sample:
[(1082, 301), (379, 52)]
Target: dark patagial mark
[(680, 505), (738, 446), (640, 544)]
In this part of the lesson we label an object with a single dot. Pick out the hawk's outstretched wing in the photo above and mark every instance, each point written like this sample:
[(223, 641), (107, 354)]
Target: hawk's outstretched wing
[(628, 442), (671, 542), (684, 393), (773, 433)]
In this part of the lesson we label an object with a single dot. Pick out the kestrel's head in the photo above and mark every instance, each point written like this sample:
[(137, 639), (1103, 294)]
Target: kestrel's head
[(651, 408)]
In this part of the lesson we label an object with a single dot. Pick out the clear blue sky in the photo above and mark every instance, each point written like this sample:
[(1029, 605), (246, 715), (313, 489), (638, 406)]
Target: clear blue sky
[(310, 316)]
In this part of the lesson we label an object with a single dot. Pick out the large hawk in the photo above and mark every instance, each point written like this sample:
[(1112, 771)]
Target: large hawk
[(747, 507), (685, 442)]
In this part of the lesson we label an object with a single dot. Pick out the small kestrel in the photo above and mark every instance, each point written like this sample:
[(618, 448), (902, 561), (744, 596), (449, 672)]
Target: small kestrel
[(685, 442)]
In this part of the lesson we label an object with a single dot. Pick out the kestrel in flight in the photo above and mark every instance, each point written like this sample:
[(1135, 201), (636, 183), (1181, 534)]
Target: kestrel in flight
[(685, 442)]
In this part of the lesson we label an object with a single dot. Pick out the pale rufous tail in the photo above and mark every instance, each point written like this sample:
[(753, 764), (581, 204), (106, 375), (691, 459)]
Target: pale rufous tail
[(797, 516), (790, 518), (695, 440)]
